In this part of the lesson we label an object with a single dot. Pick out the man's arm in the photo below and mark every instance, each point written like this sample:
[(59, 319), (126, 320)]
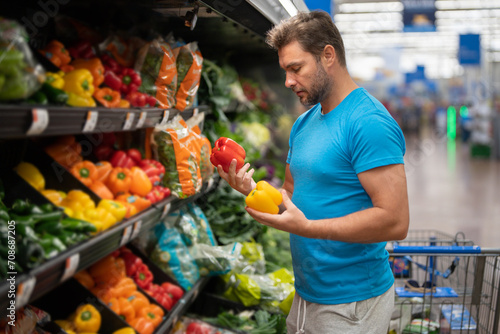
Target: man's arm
[(388, 219)]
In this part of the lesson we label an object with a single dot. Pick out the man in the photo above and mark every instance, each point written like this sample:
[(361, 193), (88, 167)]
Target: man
[(344, 193)]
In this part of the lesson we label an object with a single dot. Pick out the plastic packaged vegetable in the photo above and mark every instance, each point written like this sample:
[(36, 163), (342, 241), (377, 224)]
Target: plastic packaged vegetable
[(215, 260), (156, 64), (206, 235), (189, 64), (175, 146), (173, 257), (20, 74)]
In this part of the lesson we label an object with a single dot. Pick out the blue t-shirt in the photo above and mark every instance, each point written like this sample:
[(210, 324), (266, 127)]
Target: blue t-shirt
[(326, 154)]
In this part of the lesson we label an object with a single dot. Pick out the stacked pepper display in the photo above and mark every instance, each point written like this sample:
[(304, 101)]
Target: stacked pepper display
[(107, 280), (87, 77), (166, 294), (144, 175), (41, 232), (76, 203)]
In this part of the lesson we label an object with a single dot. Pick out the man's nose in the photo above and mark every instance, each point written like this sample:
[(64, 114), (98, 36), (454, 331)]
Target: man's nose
[(289, 81)]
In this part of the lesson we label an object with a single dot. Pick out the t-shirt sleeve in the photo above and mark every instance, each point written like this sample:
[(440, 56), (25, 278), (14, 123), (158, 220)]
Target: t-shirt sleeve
[(376, 140)]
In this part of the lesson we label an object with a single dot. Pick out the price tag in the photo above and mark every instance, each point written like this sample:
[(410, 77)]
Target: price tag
[(142, 119), (91, 121), (128, 121), (126, 235), (137, 229), (166, 209), (71, 266), (24, 291), (164, 120), (40, 121)]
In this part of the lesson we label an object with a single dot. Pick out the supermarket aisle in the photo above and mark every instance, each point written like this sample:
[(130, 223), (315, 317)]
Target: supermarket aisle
[(451, 192)]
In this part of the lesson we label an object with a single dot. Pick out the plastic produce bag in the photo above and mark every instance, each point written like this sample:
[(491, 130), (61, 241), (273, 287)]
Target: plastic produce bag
[(156, 64), (206, 236), (215, 260), (189, 63), (203, 146), (172, 256), (175, 146), (20, 73)]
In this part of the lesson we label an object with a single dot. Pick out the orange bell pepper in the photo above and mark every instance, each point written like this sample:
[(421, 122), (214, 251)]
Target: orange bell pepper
[(143, 325), (101, 190), (66, 151), (103, 292), (138, 202), (124, 104), (105, 271), (141, 185), (124, 287), (131, 210), (58, 55), (120, 266), (103, 170), (119, 180), (85, 279), (126, 310), (138, 301), (94, 65), (114, 305), (85, 171), (107, 97), (153, 312)]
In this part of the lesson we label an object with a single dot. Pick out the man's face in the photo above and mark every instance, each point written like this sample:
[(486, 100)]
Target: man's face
[(304, 75)]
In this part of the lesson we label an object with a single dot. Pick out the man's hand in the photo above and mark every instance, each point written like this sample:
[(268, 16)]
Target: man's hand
[(241, 181), (292, 220)]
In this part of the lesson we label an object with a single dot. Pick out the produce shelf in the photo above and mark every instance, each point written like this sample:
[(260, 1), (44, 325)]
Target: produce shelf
[(21, 121)]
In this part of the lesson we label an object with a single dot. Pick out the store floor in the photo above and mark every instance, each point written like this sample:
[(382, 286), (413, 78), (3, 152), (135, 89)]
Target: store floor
[(450, 191)]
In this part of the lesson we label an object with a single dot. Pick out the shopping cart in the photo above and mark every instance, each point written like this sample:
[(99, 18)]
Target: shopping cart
[(444, 284)]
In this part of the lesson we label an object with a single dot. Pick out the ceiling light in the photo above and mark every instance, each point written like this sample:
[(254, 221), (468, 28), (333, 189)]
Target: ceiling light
[(289, 7)]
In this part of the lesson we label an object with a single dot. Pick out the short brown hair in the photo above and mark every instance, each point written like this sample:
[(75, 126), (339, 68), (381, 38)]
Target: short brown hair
[(313, 31)]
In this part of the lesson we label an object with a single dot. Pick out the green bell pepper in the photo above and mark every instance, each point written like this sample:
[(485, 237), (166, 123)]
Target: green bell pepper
[(54, 95), (38, 97), (29, 254)]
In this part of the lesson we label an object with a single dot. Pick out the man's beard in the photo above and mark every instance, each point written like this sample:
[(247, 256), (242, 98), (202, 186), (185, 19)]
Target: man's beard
[(320, 88)]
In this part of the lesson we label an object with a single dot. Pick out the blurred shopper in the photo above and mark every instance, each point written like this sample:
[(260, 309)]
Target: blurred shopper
[(345, 187)]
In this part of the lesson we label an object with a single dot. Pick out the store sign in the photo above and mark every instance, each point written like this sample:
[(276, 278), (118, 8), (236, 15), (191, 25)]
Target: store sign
[(419, 15), (469, 49)]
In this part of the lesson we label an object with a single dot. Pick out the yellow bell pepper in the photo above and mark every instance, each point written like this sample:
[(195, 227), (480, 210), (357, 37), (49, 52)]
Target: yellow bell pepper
[(79, 82), (264, 198), (100, 215), (55, 79), (125, 330), (54, 196), (75, 100), (77, 201), (66, 325), (87, 319), (118, 210), (31, 174)]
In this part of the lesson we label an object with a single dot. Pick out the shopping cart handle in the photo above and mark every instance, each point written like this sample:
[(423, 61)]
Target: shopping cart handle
[(437, 249)]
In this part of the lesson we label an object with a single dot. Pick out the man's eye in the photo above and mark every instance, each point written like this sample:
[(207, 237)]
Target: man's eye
[(295, 69)]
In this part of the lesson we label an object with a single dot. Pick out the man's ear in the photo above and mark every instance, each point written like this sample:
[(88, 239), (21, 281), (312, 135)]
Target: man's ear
[(329, 56)]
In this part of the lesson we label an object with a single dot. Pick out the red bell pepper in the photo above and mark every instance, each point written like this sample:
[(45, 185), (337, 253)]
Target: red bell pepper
[(82, 50), (132, 262), (158, 193), (112, 80), (153, 169), (131, 81), (174, 290), (110, 64), (121, 159), (224, 151), (103, 152), (161, 296), (143, 276), (135, 155)]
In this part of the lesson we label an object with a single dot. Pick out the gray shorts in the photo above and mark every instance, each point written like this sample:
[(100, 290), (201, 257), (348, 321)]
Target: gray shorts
[(370, 316)]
